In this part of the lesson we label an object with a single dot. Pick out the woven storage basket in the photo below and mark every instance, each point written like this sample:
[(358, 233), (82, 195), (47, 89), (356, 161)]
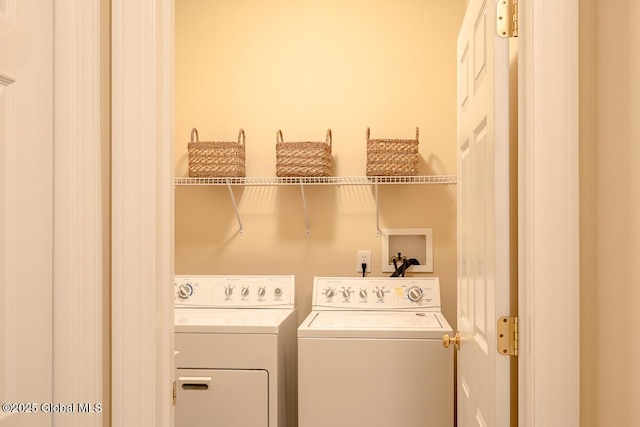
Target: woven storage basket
[(300, 159), (392, 157), (216, 159)]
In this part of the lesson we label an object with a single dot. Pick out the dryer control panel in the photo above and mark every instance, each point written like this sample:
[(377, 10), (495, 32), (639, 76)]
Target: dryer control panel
[(376, 293), (234, 291)]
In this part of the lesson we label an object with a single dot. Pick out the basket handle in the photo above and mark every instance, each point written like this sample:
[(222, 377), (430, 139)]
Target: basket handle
[(329, 138), (279, 136), (417, 133), (241, 137), (194, 132)]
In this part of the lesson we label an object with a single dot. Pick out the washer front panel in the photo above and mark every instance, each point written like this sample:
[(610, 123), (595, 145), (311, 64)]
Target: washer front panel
[(375, 383)]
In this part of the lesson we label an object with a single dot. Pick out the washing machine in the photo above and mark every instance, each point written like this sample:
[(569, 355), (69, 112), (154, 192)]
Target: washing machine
[(370, 354), (235, 342)]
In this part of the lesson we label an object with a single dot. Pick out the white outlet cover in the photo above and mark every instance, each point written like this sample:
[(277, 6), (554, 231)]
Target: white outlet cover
[(359, 262), (411, 242)]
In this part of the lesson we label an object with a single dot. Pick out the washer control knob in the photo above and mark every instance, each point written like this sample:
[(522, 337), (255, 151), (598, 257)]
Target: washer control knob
[(228, 290), (245, 291), (329, 293), (261, 291), (363, 294), (185, 290), (346, 293), (415, 294), (380, 294), (277, 292)]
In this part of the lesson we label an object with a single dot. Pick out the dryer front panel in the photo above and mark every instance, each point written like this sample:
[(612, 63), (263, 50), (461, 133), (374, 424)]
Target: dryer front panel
[(222, 397)]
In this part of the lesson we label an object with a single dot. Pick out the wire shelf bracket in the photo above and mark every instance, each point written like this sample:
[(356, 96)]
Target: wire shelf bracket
[(235, 208), (307, 223)]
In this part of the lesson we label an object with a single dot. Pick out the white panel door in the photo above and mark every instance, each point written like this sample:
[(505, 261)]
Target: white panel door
[(26, 159), (483, 216)]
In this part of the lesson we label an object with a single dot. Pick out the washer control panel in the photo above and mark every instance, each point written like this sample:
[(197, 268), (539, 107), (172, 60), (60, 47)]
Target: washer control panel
[(234, 291), (376, 293)]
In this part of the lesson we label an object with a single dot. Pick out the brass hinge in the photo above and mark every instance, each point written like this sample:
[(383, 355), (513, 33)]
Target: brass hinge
[(507, 18), (508, 336), (175, 394)]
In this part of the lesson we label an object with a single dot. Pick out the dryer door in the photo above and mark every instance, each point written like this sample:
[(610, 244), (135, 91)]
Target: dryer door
[(224, 397)]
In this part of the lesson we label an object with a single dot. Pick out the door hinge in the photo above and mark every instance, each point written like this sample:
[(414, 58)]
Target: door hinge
[(175, 394), (507, 18), (507, 332)]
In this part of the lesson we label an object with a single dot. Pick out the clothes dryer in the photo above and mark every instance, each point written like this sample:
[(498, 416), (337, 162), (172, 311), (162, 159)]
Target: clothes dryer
[(235, 338)]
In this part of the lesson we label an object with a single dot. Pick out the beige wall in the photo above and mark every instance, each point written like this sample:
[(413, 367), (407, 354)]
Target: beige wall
[(304, 67), (610, 206)]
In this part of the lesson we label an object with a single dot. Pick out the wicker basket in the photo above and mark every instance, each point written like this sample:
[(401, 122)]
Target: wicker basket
[(392, 157), (216, 159), (300, 159)]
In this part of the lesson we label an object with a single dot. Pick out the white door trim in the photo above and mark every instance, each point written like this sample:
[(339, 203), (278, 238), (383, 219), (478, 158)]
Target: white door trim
[(78, 336), (142, 213), (549, 304)]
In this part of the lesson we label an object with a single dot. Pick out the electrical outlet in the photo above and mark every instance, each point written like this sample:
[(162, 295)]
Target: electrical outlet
[(363, 257)]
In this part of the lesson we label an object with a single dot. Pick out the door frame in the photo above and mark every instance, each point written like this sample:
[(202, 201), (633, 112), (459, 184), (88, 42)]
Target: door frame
[(80, 248), (548, 247), (549, 282), (142, 373)]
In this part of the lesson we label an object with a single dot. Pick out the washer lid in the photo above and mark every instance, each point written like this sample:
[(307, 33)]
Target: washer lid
[(374, 324), (238, 321)]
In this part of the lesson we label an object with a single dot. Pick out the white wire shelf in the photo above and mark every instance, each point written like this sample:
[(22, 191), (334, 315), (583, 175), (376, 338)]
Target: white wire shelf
[(330, 180), (304, 181)]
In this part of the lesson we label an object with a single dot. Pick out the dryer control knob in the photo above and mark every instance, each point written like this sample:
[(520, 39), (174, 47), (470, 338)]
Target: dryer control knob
[(363, 294), (415, 294), (261, 291), (346, 293), (185, 291), (380, 294), (245, 291), (228, 291), (329, 293)]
